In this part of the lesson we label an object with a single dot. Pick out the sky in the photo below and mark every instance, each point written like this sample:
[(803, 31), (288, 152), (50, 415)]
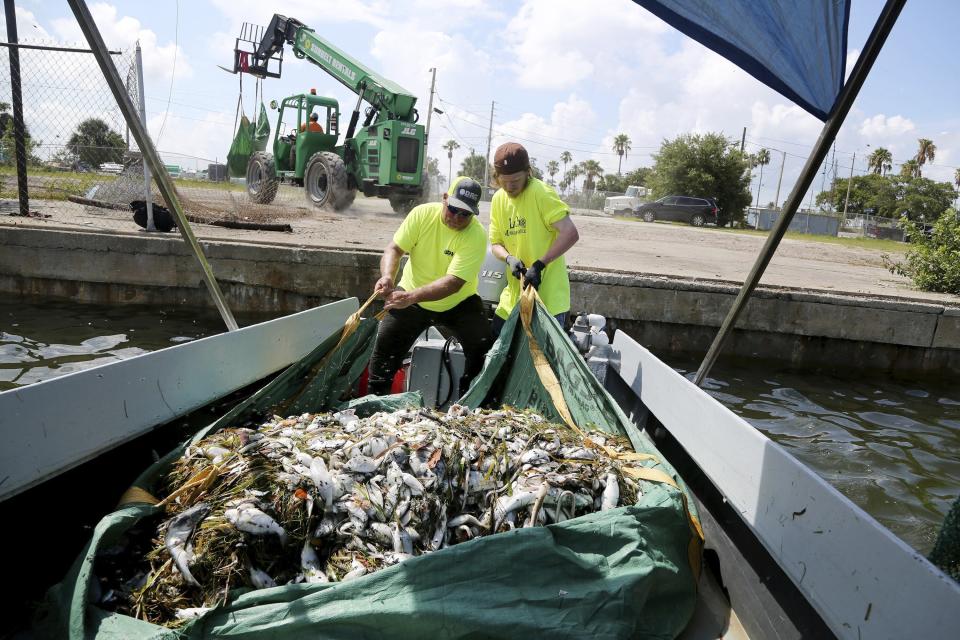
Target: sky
[(564, 75)]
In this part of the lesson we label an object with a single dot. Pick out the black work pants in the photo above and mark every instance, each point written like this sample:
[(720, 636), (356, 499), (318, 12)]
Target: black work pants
[(467, 322)]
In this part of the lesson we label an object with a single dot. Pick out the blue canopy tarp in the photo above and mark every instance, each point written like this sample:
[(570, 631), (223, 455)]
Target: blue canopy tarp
[(796, 47)]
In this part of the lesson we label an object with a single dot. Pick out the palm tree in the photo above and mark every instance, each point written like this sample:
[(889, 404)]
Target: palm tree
[(621, 144), (762, 159), (926, 151), (956, 181), (910, 169), (552, 168), (572, 175), (591, 169), (450, 145), (880, 161), (565, 157)]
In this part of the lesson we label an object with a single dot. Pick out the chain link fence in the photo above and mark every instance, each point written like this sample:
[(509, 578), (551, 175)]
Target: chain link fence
[(79, 149), (866, 226)]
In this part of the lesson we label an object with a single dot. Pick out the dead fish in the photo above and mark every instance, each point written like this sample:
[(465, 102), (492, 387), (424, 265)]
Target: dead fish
[(310, 564), (465, 519), (361, 464), (416, 487), (611, 493), (191, 613), (177, 540), (248, 518), (357, 569), (260, 579), (216, 453), (322, 480)]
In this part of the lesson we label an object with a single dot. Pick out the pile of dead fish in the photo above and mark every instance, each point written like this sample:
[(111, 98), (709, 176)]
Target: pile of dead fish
[(331, 497)]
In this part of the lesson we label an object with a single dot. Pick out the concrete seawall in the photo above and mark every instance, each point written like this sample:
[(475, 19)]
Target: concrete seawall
[(802, 328)]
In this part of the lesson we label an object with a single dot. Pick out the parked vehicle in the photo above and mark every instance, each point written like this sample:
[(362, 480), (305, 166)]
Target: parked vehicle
[(622, 205), (696, 211)]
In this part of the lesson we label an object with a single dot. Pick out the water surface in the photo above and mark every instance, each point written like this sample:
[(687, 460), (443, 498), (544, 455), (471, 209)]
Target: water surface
[(892, 447)]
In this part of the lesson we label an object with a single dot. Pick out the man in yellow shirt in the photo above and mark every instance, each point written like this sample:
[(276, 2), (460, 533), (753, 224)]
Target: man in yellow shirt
[(447, 246), (530, 229)]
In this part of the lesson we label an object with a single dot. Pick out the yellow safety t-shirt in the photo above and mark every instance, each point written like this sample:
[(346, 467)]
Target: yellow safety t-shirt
[(524, 226), (437, 250)]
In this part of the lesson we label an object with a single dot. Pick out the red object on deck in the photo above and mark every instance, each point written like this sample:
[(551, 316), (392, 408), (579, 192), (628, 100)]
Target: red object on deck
[(363, 385), (399, 380)]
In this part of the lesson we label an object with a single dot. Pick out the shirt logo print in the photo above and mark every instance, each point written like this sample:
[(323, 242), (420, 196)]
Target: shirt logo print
[(447, 252)]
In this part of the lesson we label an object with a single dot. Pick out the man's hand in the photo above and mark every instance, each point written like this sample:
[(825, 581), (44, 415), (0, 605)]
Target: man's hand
[(534, 275), (399, 299), (384, 287), (516, 266)]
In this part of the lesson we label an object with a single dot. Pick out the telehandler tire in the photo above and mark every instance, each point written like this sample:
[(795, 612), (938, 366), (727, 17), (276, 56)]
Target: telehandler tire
[(262, 182), (325, 182), (404, 203)]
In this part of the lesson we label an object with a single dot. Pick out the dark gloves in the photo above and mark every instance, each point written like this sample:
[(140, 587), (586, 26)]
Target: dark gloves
[(516, 266), (534, 275)]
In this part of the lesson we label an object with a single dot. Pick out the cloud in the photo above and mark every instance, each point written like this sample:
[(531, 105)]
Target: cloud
[(555, 44), (880, 126), (160, 61), (312, 13)]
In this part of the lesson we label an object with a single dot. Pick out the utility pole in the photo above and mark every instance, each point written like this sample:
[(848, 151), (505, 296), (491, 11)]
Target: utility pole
[(846, 200), (433, 82), (486, 164), (743, 140), (19, 135), (783, 161)]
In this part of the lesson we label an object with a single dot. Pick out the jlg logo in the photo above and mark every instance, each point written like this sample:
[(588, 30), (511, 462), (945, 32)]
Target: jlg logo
[(408, 131)]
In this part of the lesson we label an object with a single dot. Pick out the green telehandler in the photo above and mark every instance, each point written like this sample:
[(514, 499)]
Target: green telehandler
[(383, 157)]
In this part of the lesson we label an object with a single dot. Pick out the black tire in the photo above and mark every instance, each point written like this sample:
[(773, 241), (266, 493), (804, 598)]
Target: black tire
[(262, 182), (648, 216), (698, 220), (404, 203), (325, 182)]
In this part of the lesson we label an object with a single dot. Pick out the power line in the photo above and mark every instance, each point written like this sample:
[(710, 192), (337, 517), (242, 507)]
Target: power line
[(173, 71)]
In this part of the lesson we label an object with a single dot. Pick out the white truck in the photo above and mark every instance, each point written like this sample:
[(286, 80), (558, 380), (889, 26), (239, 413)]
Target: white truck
[(620, 205)]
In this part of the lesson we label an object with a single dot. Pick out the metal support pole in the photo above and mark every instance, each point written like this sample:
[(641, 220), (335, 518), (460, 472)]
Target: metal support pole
[(150, 155), (486, 164), (19, 134), (888, 17), (147, 195), (846, 200), (783, 161)]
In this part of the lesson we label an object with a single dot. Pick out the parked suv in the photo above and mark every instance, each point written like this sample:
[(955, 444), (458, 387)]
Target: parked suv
[(696, 211)]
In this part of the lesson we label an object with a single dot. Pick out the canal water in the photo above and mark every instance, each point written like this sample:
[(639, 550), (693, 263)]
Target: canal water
[(892, 447)]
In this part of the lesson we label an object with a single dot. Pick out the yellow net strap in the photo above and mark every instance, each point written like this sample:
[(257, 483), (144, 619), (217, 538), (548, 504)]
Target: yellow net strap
[(549, 380), (136, 495), (349, 328)]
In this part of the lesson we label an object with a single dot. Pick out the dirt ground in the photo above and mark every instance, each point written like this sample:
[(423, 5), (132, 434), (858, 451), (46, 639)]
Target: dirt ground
[(605, 243)]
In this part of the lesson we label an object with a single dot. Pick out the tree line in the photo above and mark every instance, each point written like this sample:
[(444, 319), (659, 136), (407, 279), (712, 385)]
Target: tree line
[(91, 144), (713, 166)]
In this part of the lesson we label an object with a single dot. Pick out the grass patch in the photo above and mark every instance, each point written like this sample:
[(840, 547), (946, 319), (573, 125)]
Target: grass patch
[(863, 243), (49, 184)]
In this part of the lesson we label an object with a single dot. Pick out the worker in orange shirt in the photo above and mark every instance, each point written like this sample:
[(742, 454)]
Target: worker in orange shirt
[(314, 125)]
